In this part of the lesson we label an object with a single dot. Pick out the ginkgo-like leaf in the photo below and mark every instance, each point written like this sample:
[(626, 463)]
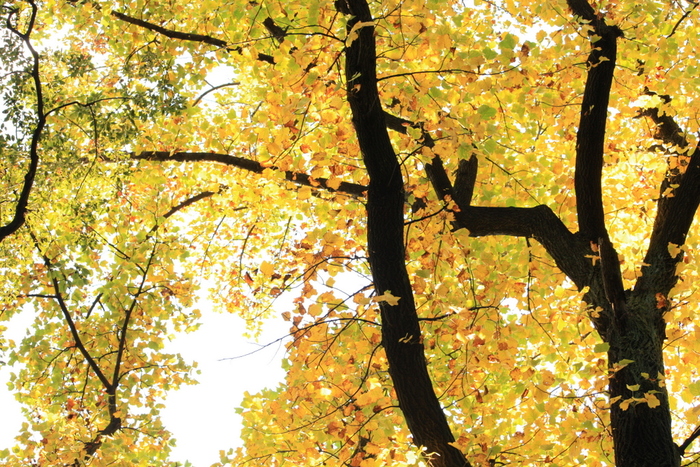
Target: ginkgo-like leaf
[(481, 214)]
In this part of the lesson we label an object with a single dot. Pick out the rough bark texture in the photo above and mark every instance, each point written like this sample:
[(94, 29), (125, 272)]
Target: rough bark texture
[(401, 334)]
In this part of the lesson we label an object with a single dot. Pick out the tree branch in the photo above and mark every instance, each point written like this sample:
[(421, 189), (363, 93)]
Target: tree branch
[(465, 180), (299, 178), (590, 147), (401, 333), (401, 125), (674, 217), (677, 205), (188, 202), (75, 334), (183, 36), (19, 217), (571, 252), (590, 138), (685, 15), (115, 422), (693, 436)]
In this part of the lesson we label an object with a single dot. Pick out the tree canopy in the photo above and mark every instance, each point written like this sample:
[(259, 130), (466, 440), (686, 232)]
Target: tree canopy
[(482, 211)]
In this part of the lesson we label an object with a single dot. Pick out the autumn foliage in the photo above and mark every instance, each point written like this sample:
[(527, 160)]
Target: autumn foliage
[(481, 212)]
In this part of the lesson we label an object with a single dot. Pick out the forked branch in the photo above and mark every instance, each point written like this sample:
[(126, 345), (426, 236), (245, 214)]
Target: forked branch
[(678, 201), (19, 217), (401, 333)]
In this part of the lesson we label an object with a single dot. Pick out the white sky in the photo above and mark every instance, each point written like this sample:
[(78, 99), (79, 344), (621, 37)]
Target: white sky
[(201, 417)]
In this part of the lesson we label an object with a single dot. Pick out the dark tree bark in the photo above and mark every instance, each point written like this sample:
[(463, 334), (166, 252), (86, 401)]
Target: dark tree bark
[(299, 178), (401, 333), (630, 321), (22, 204)]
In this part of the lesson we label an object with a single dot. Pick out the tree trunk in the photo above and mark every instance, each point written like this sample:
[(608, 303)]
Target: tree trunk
[(401, 333), (641, 429)]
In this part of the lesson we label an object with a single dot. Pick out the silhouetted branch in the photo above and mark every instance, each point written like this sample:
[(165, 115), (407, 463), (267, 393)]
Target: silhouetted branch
[(682, 18), (75, 334), (183, 36), (693, 436), (19, 217), (465, 180), (590, 137), (353, 189), (401, 332), (679, 198)]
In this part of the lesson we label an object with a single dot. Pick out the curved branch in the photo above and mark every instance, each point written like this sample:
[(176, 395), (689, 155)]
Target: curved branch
[(212, 89), (23, 201)]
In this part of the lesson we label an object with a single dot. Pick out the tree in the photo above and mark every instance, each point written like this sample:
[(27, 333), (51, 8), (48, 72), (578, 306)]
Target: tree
[(526, 189)]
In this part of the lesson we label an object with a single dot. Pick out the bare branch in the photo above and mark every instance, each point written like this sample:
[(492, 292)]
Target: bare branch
[(212, 89)]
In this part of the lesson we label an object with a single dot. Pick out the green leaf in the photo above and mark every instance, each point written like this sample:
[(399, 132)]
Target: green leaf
[(694, 388), (487, 112), (508, 42), (489, 54)]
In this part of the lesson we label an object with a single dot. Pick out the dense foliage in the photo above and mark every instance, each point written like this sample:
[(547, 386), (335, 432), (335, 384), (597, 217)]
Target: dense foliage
[(525, 174)]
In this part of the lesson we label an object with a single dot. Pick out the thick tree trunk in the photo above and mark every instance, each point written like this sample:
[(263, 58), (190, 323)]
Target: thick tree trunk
[(401, 333), (641, 429)]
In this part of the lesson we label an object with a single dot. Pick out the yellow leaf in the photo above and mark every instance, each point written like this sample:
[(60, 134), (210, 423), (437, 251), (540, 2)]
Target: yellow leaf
[(674, 250), (333, 182), (388, 298), (304, 193), (354, 32), (652, 400), (267, 269)]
